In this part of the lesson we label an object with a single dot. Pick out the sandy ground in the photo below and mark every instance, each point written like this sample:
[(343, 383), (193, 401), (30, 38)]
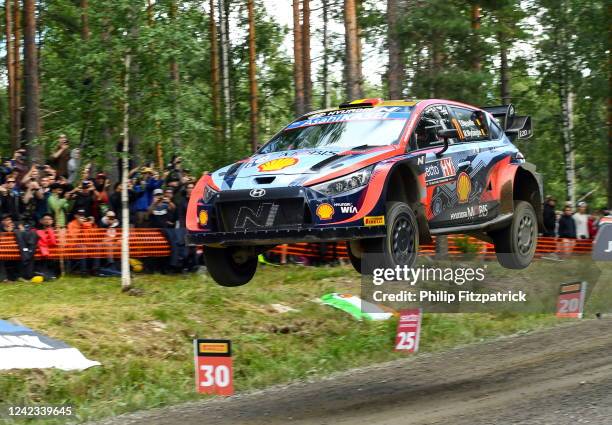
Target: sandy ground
[(555, 376)]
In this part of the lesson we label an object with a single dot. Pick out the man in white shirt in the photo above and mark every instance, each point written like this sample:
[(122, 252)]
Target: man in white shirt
[(581, 218)]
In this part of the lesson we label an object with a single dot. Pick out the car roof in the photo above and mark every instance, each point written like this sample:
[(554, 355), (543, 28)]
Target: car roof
[(378, 103)]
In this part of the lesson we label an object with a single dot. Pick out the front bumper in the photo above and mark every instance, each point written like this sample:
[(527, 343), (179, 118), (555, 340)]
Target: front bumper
[(280, 236)]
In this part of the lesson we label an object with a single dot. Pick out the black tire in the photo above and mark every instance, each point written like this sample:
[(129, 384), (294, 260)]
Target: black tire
[(401, 245), (354, 259), (228, 268), (516, 244)]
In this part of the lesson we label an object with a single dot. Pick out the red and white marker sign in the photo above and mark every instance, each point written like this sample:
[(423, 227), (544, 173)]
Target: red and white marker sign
[(408, 330), (213, 362), (571, 299)]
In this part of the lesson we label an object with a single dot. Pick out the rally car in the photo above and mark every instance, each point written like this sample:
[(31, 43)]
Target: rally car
[(381, 175)]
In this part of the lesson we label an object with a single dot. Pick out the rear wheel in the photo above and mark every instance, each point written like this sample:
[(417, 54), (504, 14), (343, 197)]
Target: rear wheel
[(232, 266), (400, 246), (515, 245)]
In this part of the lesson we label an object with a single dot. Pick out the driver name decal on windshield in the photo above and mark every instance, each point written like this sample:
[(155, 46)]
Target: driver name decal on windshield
[(331, 119)]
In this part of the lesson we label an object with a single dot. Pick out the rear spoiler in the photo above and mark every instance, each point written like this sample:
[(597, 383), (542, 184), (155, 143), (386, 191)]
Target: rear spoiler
[(515, 127)]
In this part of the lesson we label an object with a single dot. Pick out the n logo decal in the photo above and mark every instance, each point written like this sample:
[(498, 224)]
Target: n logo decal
[(264, 217)]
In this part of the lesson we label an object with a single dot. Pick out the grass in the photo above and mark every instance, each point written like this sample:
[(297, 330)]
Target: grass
[(145, 342)]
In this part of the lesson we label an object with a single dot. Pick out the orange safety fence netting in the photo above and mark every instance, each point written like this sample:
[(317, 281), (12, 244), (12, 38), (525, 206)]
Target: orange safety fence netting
[(457, 245), (106, 243), (94, 243)]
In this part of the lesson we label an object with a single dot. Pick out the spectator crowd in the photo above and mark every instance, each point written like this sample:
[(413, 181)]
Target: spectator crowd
[(64, 197), (569, 223)]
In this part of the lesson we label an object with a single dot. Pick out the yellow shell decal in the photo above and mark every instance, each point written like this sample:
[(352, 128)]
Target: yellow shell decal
[(325, 211), (277, 164), (464, 187), (203, 218)]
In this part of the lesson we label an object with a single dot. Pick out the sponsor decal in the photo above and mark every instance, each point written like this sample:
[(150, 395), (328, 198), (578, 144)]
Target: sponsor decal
[(214, 366), (325, 211), (464, 187), (384, 113), (263, 217), (346, 207), (439, 171), (571, 299), (374, 220), (277, 164), (479, 211), (257, 193), (408, 330), (203, 218)]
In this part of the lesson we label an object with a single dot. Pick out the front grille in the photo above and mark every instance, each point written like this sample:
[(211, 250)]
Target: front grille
[(261, 214)]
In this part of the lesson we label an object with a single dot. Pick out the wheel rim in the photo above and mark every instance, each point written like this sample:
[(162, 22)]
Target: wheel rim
[(402, 241), (525, 235)]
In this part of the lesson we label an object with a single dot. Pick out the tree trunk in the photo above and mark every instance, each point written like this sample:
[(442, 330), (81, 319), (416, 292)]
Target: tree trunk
[(396, 70), (298, 58), (476, 64), (436, 65), (85, 33), (609, 108), (504, 72), (175, 78), (149, 13), (354, 88), (326, 102), (225, 68), (566, 98), (252, 76), (32, 113), (306, 53), (17, 70), (125, 208), (10, 66), (214, 65)]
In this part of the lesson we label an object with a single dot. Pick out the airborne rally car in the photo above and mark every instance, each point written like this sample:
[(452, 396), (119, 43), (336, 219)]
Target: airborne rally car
[(382, 175)]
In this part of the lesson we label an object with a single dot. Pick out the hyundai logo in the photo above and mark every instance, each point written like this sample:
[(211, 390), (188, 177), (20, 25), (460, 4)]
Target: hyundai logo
[(257, 193)]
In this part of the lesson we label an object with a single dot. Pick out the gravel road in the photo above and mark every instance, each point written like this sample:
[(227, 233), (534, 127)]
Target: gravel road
[(559, 376)]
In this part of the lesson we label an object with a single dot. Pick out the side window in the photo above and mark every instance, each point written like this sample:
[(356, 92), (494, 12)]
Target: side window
[(495, 129), (471, 124), (432, 119)]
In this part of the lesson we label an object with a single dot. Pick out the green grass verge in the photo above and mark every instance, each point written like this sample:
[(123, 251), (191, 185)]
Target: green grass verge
[(145, 342)]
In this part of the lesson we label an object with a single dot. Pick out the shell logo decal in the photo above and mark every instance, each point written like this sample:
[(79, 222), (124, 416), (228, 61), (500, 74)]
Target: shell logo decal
[(203, 218), (325, 211), (277, 164), (464, 187)]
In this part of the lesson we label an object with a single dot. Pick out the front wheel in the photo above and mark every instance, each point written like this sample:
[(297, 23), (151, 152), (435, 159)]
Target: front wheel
[(515, 245), (230, 266), (401, 244)]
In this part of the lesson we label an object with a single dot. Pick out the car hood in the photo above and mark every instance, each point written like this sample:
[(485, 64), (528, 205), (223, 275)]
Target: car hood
[(292, 167)]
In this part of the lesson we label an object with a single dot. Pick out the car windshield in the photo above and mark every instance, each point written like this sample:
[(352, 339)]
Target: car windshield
[(345, 129)]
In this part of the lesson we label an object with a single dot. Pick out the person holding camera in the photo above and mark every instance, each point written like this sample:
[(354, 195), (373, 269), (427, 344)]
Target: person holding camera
[(61, 156), (161, 211)]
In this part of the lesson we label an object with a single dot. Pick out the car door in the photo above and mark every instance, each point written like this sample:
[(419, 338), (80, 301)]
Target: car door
[(473, 173), (445, 204)]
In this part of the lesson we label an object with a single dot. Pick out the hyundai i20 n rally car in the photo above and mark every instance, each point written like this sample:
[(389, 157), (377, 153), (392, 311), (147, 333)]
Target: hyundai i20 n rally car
[(381, 175)]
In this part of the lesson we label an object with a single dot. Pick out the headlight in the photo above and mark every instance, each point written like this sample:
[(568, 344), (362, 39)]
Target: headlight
[(345, 183), (209, 192)]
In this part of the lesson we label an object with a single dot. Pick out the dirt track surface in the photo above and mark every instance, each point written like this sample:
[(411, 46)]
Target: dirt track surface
[(555, 376)]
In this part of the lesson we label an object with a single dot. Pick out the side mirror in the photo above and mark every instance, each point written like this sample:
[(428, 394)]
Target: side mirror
[(446, 133)]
